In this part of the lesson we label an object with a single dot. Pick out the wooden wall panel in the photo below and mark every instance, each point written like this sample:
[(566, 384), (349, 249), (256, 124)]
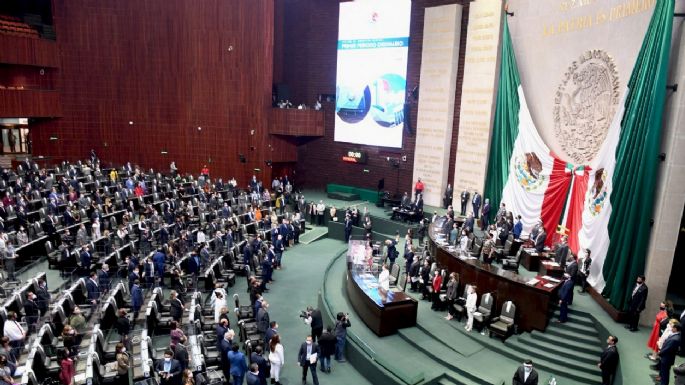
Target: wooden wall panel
[(309, 67), (169, 67), (22, 50), (16, 104), (293, 122)]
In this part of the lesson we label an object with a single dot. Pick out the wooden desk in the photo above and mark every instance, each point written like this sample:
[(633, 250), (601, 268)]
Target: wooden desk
[(533, 302), (552, 269), (382, 311)]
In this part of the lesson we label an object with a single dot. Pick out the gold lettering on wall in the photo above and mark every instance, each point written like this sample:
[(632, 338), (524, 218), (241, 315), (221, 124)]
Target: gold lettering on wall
[(478, 95), (604, 15)]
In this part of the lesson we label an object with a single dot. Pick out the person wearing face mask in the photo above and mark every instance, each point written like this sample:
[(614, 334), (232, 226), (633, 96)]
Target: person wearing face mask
[(488, 249), (122, 365), (609, 361), (637, 302), (471, 300), (307, 359), (656, 328), (525, 374), (168, 369), (31, 310), (104, 279)]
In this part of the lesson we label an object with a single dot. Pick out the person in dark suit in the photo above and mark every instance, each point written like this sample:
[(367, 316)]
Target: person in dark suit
[(104, 279), (476, 202), (175, 306), (348, 227), (253, 375), (637, 302), (562, 251), (525, 374), (225, 346), (136, 298), (168, 369), (667, 354), (585, 265), (405, 202), (608, 361), (86, 259), (262, 363), (565, 297), (485, 215), (181, 352), (327, 343), (31, 310), (572, 270), (464, 198), (315, 321), (540, 240), (307, 349), (93, 288), (123, 326), (42, 296), (447, 198), (263, 320)]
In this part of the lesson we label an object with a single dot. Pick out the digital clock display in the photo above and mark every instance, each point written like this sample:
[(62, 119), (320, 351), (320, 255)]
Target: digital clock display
[(354, 156)]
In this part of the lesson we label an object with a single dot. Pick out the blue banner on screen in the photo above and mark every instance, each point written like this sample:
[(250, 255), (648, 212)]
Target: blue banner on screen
[(371, 82)]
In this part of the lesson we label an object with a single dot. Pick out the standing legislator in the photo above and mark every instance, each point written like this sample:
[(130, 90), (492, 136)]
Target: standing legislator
[(418, 187), (637, 302), (447, 200), (476, 202), (464, 201), (608, 362)]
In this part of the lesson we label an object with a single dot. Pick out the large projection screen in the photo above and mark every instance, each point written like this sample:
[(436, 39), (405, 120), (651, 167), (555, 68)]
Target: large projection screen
[(373, 40)]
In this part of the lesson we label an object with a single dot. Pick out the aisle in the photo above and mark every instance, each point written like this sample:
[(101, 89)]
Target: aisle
[(296, 286)]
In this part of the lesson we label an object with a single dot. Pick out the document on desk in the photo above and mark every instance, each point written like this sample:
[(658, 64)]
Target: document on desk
[(549, 285), (551, 279), (533, 282)]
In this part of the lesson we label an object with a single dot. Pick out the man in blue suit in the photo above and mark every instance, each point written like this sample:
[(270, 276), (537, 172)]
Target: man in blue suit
[(253, 375), (159, 258), (93, 288), (136, 298), (565, 297), (667, 354), (238, 365), (86, 259)]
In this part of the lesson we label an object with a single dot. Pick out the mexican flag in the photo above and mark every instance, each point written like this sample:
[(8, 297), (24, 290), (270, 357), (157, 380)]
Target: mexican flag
[(605, 206)]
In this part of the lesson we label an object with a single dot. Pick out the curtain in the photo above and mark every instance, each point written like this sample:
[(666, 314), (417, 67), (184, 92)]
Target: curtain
[(506, 123), (637, 152)]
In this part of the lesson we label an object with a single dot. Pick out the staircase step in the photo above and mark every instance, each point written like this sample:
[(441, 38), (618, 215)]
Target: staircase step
[(572, 335), (567, 360), (560, 349), (572, 326), (441, 354), (580, 319), (559, 371), (554, 340)]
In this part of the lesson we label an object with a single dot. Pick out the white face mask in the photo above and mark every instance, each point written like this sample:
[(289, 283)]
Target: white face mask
[(167, 359), (123, 350), (309, 342), (528, 369)]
